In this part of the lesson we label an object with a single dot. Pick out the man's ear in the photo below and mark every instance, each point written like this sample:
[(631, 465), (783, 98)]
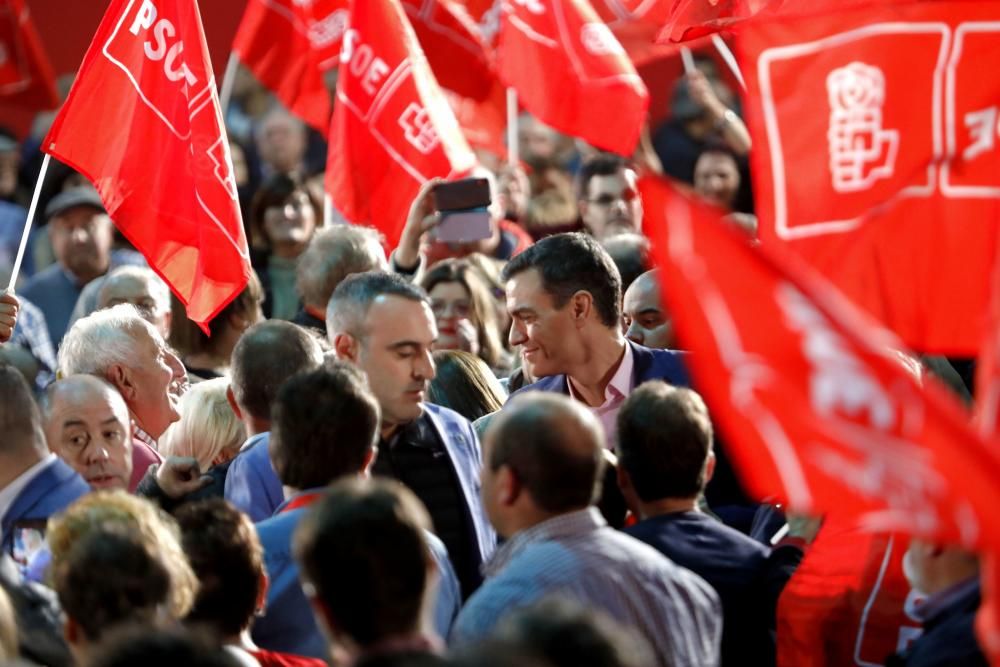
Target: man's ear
[(72, 632), (709, 466), (369, 461), (263, 584), (346, 347), (581, 304), (121, 378), (508, 486), (231, 397), (623, 479)]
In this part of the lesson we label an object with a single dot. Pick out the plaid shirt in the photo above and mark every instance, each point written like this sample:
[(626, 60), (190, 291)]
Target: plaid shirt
[(32, 333), (578, 556)]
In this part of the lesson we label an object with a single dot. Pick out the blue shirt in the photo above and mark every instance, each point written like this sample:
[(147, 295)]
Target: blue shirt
[(577, 555), (288, 624), (252, 486)]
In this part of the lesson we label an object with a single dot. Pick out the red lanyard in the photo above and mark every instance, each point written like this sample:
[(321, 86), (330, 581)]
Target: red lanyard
[(303, 500)]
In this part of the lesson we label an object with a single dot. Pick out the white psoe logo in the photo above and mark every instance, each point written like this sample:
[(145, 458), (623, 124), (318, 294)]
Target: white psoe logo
[(861, 150)]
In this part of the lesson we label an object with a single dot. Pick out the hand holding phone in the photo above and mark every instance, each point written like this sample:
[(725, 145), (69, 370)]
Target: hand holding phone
[(464, 209)]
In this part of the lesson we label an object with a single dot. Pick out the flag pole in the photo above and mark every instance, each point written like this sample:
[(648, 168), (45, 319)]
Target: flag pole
[(512, 147), (228, 80), (687, 59), (27, 223), (729, 58)]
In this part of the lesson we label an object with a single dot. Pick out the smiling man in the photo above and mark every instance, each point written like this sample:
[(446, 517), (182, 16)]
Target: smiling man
[(118, 345), (564, 295), (384, 325), (87, 425)]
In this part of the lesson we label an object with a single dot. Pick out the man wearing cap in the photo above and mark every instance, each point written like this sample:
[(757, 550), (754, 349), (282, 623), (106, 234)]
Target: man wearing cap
[(81, 234)]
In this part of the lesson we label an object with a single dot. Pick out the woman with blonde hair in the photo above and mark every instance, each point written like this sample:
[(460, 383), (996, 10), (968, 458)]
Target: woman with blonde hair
[(208, 429)]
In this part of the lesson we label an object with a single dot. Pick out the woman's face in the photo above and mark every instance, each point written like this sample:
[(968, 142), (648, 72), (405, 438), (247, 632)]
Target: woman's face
[(452, 306), (291, 223), (717, 178)]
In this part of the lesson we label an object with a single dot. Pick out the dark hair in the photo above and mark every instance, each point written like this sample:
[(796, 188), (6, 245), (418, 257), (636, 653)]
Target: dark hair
[(275, 191), (483, 311), (630, 253), (110, 576), (225, 554), (264, 357), (602, 164), (465, 384), (365, 552), (20, 419), (569, 263), (664, 439), (188, 338), (553, 446), (323, 426), (152, 647), (716, 144), (566, 634), (356, 293)]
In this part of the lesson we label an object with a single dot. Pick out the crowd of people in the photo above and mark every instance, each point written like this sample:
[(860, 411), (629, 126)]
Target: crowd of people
[(482, 453)]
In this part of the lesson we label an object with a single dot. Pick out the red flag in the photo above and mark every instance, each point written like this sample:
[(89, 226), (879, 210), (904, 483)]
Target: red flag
[(142, 122), (569, 70), (26, 78), (849, 602), (392, 128), (458, 54), (876, 157), (691, 19), (821, 408), (290, 45), (483, 122), (636, 24)]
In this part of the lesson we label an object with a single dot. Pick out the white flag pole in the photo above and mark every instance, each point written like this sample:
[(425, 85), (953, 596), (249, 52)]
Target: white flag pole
[(228, 80), (729, 58), (688, 59), (512, 147), (27, 223)]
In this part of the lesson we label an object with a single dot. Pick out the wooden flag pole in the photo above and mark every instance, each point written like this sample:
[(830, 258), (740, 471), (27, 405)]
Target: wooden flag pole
[(228, 80), (729, 58), (513, 158), (688, 59), (27, 223)]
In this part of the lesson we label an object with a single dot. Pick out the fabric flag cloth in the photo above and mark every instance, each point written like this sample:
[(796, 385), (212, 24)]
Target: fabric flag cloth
[(26, 78), (876, 157), (569, 70), (290, 46), (691, 19), (461, 60), (637, 24), (142, 122), (392, 128), (483, 122), (849, 602)]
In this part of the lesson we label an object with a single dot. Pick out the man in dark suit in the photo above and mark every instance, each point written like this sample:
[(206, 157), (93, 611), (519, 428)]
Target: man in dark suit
[(564, 295), (665, 460), (34, 483)]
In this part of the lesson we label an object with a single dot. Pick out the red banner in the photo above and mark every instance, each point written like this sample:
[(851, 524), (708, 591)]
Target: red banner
[(876, 157), (26, 78), (392, 128), (290, 45), (142, 122), (569, 70)]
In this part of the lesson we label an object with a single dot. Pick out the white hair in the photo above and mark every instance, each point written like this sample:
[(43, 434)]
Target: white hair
[(208, 426), (101, 340), (157, 288)]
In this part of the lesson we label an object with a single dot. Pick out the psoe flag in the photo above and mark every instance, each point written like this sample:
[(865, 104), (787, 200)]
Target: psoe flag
[(142, 122), (26, 78)]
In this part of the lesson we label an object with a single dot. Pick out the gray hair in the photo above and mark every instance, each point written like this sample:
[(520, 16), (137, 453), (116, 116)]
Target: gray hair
[(157, 288), (350, 302), (102, 339), (333, 254)]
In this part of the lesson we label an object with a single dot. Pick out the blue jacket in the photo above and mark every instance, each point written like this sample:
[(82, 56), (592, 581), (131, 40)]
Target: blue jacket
[(647, 364), (288, 624), (253, 486), (51, 491)]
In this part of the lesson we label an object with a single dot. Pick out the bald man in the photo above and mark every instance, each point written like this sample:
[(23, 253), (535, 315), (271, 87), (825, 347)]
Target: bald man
[(542, 468), (87, 425), (643, 317)]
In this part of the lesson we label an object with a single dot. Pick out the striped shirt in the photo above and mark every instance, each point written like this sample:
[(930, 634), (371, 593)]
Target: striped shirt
[(577, 555)]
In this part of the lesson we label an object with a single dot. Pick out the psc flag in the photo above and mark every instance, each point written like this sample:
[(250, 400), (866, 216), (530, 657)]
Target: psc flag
[(820, 407), (142, 122), (876, 157), (26, 78), (571, 72), (290, 46), (392, 127)]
